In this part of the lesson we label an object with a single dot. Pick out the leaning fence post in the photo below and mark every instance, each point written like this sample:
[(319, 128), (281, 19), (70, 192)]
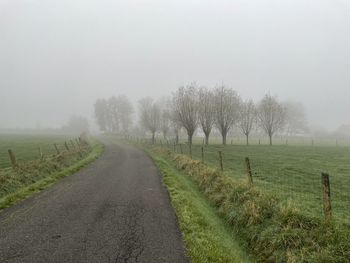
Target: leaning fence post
[(12, 158), (66, 145), (221, 162), (249, 171), (326, 196), (202, 154), (57, 150)]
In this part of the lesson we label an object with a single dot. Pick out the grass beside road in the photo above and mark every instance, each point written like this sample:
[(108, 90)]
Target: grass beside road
[(208, 238), (33, 176), (272, 230)]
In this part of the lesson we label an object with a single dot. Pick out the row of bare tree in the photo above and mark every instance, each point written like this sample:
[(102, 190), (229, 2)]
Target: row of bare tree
[(192, 107)]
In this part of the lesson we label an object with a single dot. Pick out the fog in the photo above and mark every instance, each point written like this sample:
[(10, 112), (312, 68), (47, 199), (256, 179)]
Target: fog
[(58, 57)]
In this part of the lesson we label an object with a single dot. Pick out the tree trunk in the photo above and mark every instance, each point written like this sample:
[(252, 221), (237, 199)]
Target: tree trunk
[(224, 135), (190, 139), (177, 138), (206, 138), (247, 136), (270, 139), (153, 137)]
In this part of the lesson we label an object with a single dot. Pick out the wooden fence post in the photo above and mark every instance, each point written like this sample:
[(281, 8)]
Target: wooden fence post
[(57, 150), (40, 153), (249, 171), (12, 158), (221, 162), (66, 145), (326, 196)]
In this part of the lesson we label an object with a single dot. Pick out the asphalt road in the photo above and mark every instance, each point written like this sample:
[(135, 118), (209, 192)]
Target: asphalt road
[(115, 210)]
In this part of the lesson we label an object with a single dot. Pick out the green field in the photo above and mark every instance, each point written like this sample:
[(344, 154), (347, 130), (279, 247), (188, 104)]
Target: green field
[(34, 172), (26, 147), (292, 173)]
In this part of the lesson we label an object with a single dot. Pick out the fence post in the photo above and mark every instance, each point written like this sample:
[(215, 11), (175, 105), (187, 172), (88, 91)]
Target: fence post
[(13, 159), (66, 145), (202, 154), (57, 150), (221, 162), (326, 196), (249, 171), (40, 153)]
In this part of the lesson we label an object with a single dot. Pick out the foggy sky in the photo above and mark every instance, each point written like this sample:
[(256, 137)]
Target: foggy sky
[(57, 57)]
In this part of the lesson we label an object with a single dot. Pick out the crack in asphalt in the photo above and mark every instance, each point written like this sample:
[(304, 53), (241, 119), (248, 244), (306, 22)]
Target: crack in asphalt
[(115, 210)]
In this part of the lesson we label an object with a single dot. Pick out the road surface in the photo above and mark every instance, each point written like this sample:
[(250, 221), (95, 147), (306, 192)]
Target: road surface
[(115, 210)]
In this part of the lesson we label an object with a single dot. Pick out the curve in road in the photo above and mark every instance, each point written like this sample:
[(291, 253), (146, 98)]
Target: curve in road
[(115, 210)]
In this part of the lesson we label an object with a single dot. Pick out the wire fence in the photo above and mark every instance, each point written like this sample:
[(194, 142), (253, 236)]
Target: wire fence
[(293, 174)]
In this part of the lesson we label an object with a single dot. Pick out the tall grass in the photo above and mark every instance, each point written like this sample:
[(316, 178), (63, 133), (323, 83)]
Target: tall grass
[(274, 231)]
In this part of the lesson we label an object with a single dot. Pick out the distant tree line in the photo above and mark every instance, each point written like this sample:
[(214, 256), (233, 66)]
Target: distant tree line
[(114, 114), (191, 108)]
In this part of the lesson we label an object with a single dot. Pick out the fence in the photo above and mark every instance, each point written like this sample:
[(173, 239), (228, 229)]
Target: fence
[(73, 147), (315, 179)]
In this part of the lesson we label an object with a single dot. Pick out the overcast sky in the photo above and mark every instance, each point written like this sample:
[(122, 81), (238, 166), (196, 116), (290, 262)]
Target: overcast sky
[(58, 56)]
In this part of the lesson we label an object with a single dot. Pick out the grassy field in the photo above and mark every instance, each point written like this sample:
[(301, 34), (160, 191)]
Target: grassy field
[(33, 173), (292, 173), (26, 147)]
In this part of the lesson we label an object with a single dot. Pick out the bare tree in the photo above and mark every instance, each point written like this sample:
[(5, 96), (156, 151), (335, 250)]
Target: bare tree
[(124, 113), (247, 118), (185, 107), (206, 111), (165, 123), (113, 115), (150, 116), (101, 110), (226, 110), (271, 115)]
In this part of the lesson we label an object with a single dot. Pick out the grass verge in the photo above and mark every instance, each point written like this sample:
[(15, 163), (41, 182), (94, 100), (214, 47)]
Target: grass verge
[(273, 231), (207, 237), (38, 175)]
